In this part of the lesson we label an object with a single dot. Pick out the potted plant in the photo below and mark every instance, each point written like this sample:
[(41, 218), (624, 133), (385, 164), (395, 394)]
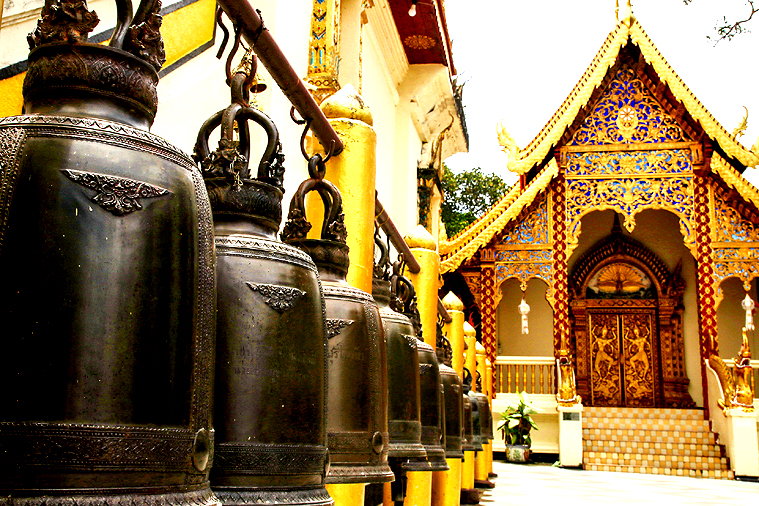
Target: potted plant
[(516, 424)]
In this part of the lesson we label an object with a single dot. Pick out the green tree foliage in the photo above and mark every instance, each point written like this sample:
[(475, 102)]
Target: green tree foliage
[(467, 196)]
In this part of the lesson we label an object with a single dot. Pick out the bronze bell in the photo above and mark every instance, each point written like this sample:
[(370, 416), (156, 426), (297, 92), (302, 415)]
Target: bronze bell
[(269, 406), (454, 412), (106, 245), (486, 417), (476, 422), (404, 412), (433, 418), (357, 430), (467, 440)]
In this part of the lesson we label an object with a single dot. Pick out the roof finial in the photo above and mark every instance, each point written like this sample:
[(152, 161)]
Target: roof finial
[(627, 14), (616, 9)]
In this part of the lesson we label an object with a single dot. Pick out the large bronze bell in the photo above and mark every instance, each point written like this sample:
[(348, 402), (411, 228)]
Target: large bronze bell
[(433, 410), (476, 422), (404, 412), (357, 434), (404, 404), (467, 440), (269, 407), (454, 412), (108, 278), (486, 417)]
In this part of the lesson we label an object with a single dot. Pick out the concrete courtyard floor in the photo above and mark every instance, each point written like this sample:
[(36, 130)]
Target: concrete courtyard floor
[(541, 484)]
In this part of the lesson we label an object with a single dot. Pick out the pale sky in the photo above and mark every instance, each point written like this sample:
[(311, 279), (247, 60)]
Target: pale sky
[(521, 58)]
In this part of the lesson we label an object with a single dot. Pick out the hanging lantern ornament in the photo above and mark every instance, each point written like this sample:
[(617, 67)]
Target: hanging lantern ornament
[(524, 310), (748, 307)]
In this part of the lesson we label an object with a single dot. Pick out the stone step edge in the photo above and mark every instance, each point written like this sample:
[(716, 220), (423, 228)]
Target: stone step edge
[(724, 475), (713, 451), (645, 432), (641, 457)]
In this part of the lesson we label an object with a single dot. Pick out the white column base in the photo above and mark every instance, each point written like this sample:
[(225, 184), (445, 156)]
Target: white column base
[(570, 435)]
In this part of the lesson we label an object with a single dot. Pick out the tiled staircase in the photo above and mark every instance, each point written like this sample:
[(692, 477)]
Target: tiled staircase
[(674, 442)]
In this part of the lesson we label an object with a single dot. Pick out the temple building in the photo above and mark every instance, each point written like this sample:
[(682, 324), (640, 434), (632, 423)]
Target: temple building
[(632, 241)]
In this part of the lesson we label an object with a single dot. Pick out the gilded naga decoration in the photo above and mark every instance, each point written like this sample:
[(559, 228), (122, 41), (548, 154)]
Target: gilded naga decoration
[(737, 387)]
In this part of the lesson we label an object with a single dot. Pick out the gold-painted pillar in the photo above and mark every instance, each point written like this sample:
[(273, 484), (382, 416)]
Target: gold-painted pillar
[(481, 469), (354, 172), (455, 330), (418, 488), (426, 281), (446, 485), (347, 494), (470, 362)]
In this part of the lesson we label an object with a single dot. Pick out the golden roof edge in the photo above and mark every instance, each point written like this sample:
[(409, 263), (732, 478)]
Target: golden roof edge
[(538, 184)]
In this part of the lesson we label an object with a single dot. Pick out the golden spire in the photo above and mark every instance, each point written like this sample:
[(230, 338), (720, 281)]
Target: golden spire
[(627, 15)]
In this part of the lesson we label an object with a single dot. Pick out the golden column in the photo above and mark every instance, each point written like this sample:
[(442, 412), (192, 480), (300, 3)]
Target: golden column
[(354, 172), (446, 485), (481, 464), (470, 339), (426, 281), (455, 331)]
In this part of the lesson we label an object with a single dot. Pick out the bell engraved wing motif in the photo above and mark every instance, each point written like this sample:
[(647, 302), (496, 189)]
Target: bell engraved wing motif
[(336, 325), (117, 195), (279, 298)]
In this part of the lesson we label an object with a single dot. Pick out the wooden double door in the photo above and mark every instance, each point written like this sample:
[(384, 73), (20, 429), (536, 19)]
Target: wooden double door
[(623, 356)]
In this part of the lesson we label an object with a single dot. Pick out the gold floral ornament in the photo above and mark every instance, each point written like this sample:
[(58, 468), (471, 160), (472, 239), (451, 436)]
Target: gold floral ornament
[(419, 42), (627, 122)]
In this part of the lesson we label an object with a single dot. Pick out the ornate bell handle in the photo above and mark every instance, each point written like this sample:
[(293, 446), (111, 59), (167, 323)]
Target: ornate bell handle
[(404, 289), (226, 119), (202, 151), (333, 208), (123, 21)]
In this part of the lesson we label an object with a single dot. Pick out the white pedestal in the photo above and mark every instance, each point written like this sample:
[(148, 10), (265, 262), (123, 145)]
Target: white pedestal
[(570, 435), (742, 441)]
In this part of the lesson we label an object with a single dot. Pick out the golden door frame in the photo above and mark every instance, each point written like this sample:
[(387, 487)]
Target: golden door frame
[(663, 358)]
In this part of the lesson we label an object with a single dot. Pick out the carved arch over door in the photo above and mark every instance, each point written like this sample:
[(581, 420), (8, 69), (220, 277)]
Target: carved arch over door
[(626, 326)]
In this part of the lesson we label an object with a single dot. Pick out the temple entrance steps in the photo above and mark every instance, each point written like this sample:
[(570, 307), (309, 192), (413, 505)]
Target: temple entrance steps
[(675, 442)]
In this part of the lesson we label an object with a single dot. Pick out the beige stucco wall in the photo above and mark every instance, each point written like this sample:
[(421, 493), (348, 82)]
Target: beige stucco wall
[(511, 341), (731, 318)]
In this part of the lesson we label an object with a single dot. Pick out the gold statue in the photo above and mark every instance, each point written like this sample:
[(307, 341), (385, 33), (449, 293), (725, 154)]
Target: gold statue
[(744, 393), (567, 394), (736, 383)]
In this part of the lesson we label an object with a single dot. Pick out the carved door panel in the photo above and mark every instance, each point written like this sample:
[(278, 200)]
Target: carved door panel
[(621, 358), (605, 373), (638, 365)]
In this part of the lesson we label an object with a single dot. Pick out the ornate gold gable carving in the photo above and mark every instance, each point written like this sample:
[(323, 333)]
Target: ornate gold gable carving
[(627, 113), (735, 245), (629, 182), (525, 251)]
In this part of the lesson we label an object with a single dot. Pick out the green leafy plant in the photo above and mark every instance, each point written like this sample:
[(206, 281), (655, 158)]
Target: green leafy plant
[(516, 422)]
